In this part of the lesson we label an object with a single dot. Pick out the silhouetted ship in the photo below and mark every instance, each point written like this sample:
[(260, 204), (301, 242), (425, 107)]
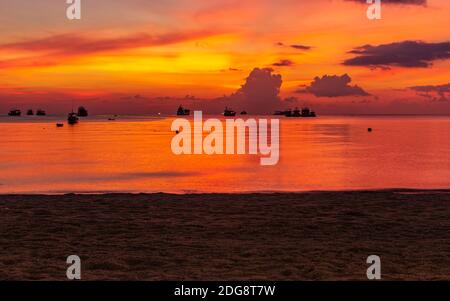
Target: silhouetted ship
[(229, 113), (14, 113), (40, 113), (183, 112), (296, 113), (72, 118), (244, 113), (283, 113), (305, 112), (30, 112), (82, 112)]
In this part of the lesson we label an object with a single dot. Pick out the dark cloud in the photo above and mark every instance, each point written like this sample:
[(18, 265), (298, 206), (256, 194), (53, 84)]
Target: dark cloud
[(295, 46), (411, 2), (260, 92), (403, 54), (283, 63), (333, 86), (437, 92), (301, 47)]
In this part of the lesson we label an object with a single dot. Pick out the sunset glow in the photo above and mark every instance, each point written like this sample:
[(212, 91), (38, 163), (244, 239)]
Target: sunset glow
[(207, 49)]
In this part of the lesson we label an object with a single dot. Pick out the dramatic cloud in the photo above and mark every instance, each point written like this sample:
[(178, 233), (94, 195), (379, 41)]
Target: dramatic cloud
[(283, 63), (438, 92), (403, 54), (412, 2), (333, 86), (260, 92)]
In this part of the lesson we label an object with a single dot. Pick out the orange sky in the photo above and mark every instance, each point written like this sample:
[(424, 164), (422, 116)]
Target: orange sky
[(174, 48)]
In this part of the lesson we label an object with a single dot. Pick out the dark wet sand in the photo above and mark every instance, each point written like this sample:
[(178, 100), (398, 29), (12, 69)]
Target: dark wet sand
[(309, 236)]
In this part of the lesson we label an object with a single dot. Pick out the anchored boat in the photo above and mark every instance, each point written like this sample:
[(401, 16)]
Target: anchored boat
[(15, 112), (229, 112), (183, 112), (72, 118)]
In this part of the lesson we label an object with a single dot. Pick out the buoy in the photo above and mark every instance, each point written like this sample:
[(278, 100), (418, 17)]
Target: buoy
[(369, 130)]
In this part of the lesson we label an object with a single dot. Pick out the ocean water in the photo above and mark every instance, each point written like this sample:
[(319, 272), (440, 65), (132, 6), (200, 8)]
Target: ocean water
[(133, 154)]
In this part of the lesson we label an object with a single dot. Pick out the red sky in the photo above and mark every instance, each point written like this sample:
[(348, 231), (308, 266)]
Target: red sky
[(141, 56)]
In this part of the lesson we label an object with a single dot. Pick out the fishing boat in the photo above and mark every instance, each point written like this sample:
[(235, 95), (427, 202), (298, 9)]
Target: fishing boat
[(15, 112), (72, 118), (244, 113), (228, 112), (40, 113), (30, 112), (183, 112)]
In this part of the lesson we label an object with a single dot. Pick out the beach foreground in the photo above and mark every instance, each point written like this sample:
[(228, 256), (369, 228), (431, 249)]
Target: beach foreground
[(282, 236)]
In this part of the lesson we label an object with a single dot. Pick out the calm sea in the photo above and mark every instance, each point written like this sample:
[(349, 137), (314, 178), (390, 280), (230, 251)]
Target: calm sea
[(133, 154)]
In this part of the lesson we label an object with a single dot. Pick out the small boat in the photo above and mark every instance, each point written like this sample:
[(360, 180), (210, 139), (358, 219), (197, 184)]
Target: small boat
[(72, 118), (82, 112), (15, 112), (229, 113), (244, 113), (40, 113), (59, 125), (111, 119), (183, 112), (30, 112)]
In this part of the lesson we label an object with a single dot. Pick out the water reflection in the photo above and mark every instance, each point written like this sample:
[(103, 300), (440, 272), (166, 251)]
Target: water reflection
[(134, 154)]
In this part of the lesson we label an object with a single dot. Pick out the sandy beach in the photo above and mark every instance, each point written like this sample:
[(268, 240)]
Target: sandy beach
[(281, 236)]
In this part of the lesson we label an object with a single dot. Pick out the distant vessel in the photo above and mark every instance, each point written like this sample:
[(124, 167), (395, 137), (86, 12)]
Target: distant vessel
[(82, 112), (183, 112), (244, 113), (305, 112), (15, 112), (60, 125), (72, 118), (30, 112), (40, 113), (296, 113), (228, 112), (284, 113)]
